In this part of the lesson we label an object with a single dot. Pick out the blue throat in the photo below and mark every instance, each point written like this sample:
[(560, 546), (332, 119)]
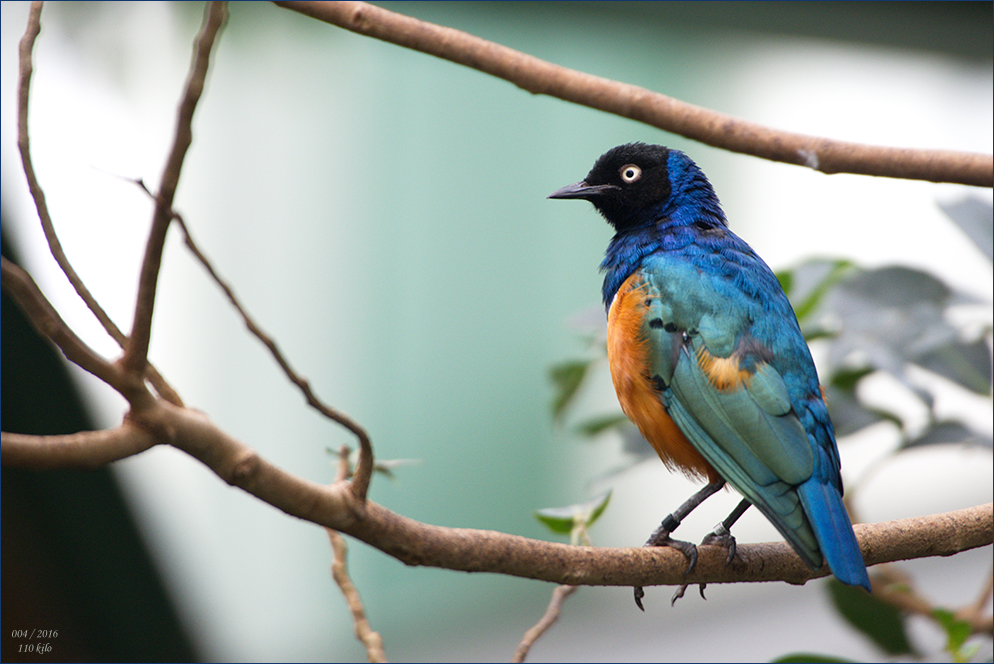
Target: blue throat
[(689, 218)]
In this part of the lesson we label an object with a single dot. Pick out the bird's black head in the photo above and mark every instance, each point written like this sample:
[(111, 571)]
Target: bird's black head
[(630, 185)]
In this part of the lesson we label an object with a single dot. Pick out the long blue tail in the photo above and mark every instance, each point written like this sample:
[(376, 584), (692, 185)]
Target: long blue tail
[(828, 517)]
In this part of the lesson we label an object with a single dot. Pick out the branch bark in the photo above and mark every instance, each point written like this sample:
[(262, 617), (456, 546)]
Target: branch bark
[(700, 124), (468, 550)]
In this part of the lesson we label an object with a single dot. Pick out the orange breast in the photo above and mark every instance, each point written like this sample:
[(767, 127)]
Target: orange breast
[(627, 351)]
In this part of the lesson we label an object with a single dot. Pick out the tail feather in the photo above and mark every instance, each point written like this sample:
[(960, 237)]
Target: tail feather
[(828, 517)]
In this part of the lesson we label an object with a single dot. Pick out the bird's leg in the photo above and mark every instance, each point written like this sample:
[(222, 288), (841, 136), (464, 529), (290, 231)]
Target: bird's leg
[(661, 536), (722, 536)]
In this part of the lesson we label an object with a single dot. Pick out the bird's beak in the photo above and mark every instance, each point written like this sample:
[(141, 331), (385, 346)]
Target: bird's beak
[(582, 190)]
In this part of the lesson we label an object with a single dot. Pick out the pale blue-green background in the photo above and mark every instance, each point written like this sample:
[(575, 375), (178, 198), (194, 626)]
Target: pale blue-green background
[(382, 213)]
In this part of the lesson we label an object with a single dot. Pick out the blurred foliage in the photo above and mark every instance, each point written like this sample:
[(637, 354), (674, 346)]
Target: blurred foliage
[(880, 621)]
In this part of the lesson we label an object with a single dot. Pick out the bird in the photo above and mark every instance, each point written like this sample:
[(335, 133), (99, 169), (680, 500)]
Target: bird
[(709, 362)]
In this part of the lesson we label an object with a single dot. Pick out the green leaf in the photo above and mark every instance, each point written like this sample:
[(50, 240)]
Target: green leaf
[(957, 632), (801, 657), (949, 433), (567, 377), (598, 425), (976, 218), (846, 379), (786, 279), (837, 270), (574, 519), (968, 364), (880, 621)]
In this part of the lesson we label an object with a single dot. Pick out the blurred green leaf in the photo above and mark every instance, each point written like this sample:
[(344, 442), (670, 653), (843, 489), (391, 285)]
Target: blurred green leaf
[(567, 377), (949, 433), (801, 657), (599, 425), (957, 632), (847, 379), (880, 621), (976, 219), (849, 415), (968, 364), (834, 271), (570, 519)]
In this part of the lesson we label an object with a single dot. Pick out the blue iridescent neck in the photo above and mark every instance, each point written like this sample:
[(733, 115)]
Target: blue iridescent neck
[(689, 214)]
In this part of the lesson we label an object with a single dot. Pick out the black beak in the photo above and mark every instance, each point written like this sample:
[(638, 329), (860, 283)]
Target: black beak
[(582, 190)]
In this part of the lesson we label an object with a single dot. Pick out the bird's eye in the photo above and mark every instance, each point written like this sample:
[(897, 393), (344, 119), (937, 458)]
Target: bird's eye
[(630, 173)]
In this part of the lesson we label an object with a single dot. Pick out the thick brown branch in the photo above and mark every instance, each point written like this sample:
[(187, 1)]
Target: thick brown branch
[(468, 550), (136, 352), (629, 101)]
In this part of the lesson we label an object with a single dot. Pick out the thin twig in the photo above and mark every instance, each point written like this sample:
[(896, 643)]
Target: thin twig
[(25, 51), (360, 482), (362, 477), (694, 122), (894, 586), (552, 613), (39, 311), (136, 351), (975, 614), (369, 638)]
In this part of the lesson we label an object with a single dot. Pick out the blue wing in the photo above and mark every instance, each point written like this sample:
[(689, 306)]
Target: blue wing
[(735, 374)]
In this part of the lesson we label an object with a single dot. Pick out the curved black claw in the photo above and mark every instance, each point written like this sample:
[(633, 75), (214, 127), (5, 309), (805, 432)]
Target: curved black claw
[(639, 594), (720, 536), (662, 538)]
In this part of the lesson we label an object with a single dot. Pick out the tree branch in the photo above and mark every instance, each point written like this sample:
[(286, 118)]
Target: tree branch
[(86, 449), (469, 550), (559, 595), (364, 467), (370, 639), (47, 321), (895, 587), (136, 351), (25, 51), (630, 101)]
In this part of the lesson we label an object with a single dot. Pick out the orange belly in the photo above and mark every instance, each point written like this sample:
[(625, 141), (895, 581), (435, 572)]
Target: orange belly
[(627, 354)]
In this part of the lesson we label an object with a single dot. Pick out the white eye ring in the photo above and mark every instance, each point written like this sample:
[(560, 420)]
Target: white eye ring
[(630, 173)]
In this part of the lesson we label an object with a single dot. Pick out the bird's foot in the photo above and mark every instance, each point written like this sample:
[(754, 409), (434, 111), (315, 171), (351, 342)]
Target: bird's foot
[(662, 538), (720, 536)]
